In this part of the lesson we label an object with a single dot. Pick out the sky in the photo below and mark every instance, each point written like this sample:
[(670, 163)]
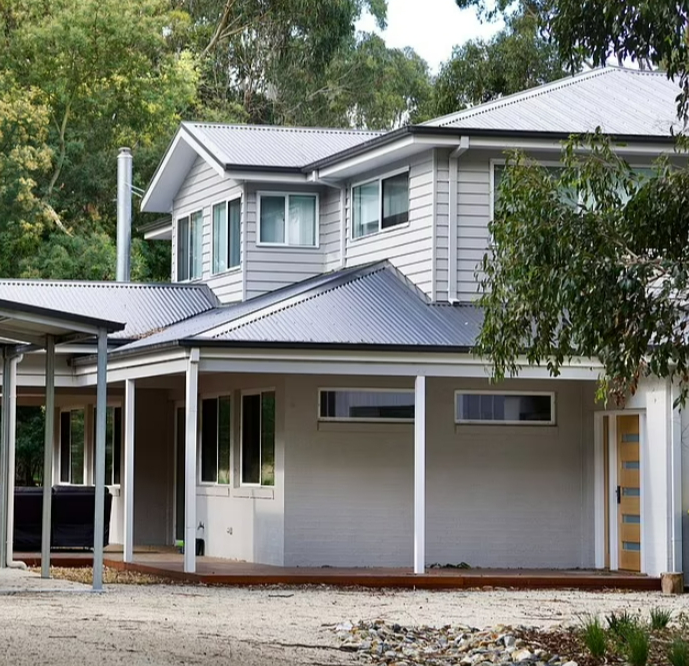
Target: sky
[(431, 27)]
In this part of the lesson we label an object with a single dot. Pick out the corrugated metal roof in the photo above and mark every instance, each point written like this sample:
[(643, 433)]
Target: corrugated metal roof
[(270, 146), (620, 101), (369, 305), (144, 307)]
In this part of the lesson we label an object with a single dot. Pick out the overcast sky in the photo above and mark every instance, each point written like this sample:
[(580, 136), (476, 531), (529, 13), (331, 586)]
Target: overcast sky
[(430, 27)]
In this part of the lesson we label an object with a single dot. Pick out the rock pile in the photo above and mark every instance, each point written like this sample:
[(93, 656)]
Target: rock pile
[(394, 645)]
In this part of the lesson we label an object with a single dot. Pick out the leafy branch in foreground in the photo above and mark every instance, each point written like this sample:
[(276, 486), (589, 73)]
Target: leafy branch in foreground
[(589, 261)]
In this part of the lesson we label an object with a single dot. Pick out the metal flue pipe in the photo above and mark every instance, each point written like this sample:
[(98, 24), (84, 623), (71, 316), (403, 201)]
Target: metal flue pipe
[(124, 214)]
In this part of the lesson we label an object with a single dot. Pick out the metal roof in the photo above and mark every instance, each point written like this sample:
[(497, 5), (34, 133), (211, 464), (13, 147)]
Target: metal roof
[(270, 146), (372, 305), (144, 307), (620, 101)]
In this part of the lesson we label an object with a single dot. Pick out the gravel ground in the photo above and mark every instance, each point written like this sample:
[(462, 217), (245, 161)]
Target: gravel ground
[(261, 626)]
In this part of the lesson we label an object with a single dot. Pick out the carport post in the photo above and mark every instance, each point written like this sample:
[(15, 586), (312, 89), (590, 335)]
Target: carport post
[(420, 475), (48, 453), (4, 471), (129, 400), (101, 407), (191, 414), (11, 454)]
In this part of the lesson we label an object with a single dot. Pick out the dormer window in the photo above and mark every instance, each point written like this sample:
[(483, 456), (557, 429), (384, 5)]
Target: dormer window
[(287, 219), (190, 246), (380, 204)]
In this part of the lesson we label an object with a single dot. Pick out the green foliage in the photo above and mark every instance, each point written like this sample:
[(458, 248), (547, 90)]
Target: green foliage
[(636, 646), (660, 618), (597, 278), (595, 638), (678, 655), (620, 624), (515, 59)]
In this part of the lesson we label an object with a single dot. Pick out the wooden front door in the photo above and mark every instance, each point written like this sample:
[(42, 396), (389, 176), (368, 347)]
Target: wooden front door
[(628, 493)]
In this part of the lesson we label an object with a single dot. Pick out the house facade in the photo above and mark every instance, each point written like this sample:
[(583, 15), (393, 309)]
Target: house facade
[(305, 393)]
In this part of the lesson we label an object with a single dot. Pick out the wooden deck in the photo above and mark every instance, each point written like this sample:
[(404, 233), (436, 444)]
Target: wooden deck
[(216, 571)]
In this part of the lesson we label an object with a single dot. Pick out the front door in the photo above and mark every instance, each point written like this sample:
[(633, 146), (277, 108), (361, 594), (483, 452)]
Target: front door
[(628, 493)]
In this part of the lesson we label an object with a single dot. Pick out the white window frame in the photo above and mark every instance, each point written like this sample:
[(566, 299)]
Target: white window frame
[(226, 202), (483, 422), (270, 193), (199, 441), (354, 419), (379, 179), (202, 213), (258, 391), (60, 482)]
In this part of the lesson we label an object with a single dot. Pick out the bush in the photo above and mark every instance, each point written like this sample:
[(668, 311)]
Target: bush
[(660, 618), (679, 653), (595, 637)]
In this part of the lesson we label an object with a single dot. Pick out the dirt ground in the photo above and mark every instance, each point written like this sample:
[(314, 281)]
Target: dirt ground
[(136, 624)]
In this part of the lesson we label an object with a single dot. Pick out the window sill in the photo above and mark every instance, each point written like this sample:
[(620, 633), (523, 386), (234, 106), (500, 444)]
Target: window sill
[(212, 490), (229, 271), (489, 430), (376, 234), (364, 426), (114, 490), (247, 492), (285, 246)]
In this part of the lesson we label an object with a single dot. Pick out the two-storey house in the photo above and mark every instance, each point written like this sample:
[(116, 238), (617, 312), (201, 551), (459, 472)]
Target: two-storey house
[(306, 392)]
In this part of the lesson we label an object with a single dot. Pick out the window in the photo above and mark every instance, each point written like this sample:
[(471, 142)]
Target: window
[(226, 235), (288, 219), (189, 246), (72, 446), (258, 439), (512, 408), (366, 405), (380, 204), (215, 440), (113, 444)]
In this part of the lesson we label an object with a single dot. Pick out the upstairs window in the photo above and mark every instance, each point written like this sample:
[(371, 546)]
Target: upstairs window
[(189, 246), (72, 446), (380, 204), (215, 440), (288, 219), (366, 405), (226, 235)]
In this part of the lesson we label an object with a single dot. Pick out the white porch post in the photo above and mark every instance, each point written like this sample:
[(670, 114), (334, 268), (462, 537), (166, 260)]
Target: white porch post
[(11, 452), (101, 407), (129, 399), (675, 460), (420, 476), (48, 454), (191, 420), (4, 471)]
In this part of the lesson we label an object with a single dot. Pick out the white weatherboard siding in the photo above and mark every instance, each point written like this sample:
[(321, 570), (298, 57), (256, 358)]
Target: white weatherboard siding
[(497, 496), (270, 268), (442, 226), (409, 247), (244, 523), (201, 189), (331, 228)]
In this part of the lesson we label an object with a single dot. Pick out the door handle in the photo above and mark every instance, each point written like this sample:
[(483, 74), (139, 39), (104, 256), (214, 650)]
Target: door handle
[(618, 492)]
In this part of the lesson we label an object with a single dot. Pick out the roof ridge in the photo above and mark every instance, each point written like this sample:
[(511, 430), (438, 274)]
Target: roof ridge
[(535, 91), (339, 279), (101, 284), (283, 128)]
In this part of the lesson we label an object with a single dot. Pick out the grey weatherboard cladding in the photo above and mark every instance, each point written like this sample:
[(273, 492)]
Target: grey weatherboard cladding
[(144, 307)]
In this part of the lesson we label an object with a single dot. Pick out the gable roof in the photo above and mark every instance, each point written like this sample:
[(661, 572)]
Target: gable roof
[(367, 306), (271, 147), (623, 102), (144, 307)]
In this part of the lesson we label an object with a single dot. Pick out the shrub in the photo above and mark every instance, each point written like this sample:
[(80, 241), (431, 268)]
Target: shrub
[(679, 653), (637, 646), (660, 618), (595, 637), (623, 624)]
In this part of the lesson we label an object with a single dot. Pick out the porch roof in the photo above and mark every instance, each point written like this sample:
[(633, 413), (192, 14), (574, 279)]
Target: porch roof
[(367, 306)]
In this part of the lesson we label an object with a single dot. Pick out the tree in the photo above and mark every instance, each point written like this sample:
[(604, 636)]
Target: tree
[(517, 58)]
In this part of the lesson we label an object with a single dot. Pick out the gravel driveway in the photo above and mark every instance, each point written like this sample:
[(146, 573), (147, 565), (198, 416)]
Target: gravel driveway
[(246, 627)]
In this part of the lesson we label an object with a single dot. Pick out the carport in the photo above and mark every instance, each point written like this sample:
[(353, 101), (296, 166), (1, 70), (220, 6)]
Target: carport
[(26, 328)]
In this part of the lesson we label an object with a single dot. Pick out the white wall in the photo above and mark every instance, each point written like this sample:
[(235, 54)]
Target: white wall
[(497, 496)]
